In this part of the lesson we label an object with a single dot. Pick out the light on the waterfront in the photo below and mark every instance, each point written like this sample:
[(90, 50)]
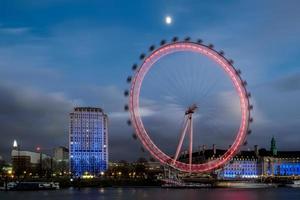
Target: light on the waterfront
[(87, 176)]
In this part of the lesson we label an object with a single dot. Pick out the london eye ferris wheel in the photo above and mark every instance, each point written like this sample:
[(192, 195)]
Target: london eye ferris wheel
[(183, 94)]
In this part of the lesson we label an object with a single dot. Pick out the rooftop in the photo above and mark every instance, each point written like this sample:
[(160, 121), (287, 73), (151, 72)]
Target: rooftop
[(88, 109), (202, 156)]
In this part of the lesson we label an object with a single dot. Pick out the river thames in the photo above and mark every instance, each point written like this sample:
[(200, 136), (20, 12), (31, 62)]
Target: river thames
[(156, 193)]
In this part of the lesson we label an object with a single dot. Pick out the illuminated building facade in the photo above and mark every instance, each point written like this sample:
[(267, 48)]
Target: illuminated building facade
[(245, 165), (280, 163), (88, 142), (263, 163), (241, 167), (252, 164), (286, 163)]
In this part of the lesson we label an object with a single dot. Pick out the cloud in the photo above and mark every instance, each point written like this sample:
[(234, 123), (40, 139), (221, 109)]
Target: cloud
[(14, 30), (288, 84), (41, 87), (32, 117), (37, 118)]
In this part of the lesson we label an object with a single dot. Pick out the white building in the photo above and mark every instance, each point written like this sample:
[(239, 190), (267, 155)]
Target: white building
[(61, 154), (28, 161), (33, 157)]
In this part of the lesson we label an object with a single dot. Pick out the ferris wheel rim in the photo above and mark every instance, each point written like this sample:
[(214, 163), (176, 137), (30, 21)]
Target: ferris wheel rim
[(230, 71)]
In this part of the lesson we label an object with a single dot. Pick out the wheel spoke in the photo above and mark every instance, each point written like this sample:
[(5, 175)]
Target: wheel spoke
[(191, 141), (185, 126)]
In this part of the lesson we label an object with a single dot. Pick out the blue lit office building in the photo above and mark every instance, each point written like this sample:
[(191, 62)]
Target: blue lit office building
[(88, 142)]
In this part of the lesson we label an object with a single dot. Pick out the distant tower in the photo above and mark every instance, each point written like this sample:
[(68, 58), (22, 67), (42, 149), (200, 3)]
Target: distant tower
[(88, 143), (15, 145), (273, 147)]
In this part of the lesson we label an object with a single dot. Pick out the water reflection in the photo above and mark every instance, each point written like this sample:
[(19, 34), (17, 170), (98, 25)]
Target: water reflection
[(155, 193)]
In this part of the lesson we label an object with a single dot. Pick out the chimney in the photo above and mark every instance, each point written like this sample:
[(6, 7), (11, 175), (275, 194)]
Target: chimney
[(214, 149), (256, 150)]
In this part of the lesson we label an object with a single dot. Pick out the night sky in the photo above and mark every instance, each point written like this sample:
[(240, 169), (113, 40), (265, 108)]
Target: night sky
[(58, 54)]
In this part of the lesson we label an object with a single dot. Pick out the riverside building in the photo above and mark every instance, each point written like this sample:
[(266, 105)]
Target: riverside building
[(255, 164), (88, 141)]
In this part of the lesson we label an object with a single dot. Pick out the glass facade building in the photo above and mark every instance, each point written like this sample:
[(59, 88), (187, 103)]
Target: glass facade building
[(88, 142)]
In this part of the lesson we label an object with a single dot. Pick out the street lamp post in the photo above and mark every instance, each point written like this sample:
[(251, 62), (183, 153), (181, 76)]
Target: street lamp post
[(41, 161), (18, 163), (16, 147), (46, 167)]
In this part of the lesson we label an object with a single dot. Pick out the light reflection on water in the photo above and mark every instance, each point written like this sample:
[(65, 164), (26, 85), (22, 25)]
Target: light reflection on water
[(156, 193)]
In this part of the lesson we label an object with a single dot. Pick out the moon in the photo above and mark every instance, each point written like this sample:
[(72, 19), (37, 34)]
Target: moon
[(168, 20)]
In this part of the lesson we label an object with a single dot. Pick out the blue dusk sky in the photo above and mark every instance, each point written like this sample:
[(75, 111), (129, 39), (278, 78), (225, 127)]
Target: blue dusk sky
[(58, 54)]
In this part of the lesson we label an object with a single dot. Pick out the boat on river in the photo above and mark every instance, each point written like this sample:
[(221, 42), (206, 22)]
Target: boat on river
[(244, 184), (20, 186), (293, 184)]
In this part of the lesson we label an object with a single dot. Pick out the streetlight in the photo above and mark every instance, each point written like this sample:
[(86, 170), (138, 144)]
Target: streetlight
[(38, 149), (17, 148)]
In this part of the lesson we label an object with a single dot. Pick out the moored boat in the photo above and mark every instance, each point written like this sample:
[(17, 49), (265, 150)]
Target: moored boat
[(31, 186), (294, 184), (187, 185), (171, 183), (242, 184)]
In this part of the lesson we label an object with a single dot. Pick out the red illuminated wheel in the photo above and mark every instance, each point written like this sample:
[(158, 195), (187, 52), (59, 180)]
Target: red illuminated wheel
[(135, 113)]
